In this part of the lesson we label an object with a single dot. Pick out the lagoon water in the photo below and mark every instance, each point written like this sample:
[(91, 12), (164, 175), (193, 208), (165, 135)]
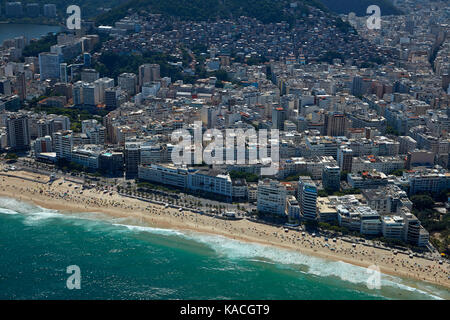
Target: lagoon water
[(30, 31), (119, 259)]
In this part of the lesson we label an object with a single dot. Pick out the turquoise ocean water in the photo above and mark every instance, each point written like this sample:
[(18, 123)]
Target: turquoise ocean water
[(119, 259)]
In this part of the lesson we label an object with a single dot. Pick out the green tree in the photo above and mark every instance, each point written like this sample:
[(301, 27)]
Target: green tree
[(42, 45), (398, 172), (422, 202), (11, 156)]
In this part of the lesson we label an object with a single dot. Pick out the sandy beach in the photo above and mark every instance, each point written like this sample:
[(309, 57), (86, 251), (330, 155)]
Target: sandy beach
[(67, 197)]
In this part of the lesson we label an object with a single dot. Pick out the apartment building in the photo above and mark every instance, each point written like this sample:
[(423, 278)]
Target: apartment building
[(271, 197)]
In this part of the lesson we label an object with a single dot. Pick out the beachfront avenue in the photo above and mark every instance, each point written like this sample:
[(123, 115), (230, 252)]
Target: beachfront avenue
[(228, 309)]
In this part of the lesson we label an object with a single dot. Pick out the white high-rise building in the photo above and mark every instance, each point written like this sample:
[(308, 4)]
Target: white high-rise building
[(103, 84), (94, 131), (150, 89), (43, 144), (127, 82), (150, 154), (307, 191), (60, 123), (77, 93), (63, 72), (148, 73), (50, 10), (91, 96), (271, 197), (49, 64), (293, 208), (209, 115), (89, 75), (63, 144), (392, 227)]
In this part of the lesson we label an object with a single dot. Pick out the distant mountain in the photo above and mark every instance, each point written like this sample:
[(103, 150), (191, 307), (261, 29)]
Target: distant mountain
[(264, 10), (360, 6), (89, 8)]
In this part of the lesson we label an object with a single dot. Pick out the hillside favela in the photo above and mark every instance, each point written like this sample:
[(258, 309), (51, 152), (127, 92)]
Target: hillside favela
[(225, 150)]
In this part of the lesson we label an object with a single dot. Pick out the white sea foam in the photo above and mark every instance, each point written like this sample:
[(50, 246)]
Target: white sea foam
[(32, 213), (232, 249), (316, 266), (39, 217), (16, 205), (35, 214), (8, 211), (160, 231)]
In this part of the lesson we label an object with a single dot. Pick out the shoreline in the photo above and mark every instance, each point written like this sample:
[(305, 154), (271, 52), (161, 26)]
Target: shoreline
[(41, 23), (68, 199)]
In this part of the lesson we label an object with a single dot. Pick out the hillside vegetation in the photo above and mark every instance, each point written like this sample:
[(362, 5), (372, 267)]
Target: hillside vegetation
[(89, 8), (199, 10), (359, 7)]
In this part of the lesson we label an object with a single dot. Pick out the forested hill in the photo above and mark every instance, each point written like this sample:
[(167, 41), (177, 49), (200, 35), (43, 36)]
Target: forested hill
[(89, 8), (360, 6), (264, 10)]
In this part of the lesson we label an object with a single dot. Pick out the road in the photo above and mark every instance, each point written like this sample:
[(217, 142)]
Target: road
[(30, 165)]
